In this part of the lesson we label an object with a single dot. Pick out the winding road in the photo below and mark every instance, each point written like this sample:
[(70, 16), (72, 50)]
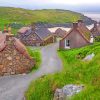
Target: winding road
[(14, 87)]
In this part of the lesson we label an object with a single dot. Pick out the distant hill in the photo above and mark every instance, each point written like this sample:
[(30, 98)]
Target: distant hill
[(50, 17), (9, 14)]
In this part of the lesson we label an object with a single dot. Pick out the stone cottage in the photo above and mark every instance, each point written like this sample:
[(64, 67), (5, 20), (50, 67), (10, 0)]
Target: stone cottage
[(60, 33), (33, 36), (78, 36), (14, 58), (96, 29)]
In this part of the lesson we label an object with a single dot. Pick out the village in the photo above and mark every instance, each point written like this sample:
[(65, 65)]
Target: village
[(16, 60)]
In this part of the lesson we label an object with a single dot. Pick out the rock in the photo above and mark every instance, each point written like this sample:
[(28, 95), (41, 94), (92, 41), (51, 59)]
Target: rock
[(9, 58), (59, 95), (67, 91), (70, 90), (89, 57)]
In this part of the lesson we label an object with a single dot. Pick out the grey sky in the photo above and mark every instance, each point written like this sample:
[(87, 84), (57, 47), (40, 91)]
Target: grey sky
[(76, 5)]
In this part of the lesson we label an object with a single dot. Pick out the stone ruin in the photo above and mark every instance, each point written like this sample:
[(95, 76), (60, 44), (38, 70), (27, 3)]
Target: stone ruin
[(14, 58)]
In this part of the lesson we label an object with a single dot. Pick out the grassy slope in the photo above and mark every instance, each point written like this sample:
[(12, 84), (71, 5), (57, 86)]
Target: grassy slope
[(75, 71), (23, 16), (35, 54), (8, 15)]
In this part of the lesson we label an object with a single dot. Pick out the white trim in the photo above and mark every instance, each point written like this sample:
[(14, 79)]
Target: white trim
[(91, 39), (66, 47)]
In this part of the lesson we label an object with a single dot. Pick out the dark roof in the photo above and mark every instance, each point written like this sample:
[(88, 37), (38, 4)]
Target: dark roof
[(43, 32)]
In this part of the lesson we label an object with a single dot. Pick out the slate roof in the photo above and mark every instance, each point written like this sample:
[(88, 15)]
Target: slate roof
[(41, 32)]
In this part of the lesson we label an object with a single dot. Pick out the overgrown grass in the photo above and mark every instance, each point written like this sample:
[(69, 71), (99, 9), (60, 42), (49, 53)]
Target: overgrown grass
[(35, 54), (76, 71)]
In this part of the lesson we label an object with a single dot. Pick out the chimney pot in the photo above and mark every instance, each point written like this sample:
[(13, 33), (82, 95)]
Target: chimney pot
[(80, 21), (75, 25)]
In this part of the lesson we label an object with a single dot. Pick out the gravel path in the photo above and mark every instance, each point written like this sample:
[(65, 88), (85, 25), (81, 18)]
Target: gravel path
[(13, 87)]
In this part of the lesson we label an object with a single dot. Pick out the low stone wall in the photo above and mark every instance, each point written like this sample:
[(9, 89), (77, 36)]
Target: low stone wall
[(13, 62)]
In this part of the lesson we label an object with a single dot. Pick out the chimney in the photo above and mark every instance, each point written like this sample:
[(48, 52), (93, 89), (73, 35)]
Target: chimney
[(95, 24), (33, 26), (80, 22), (9, 29), (75, 25), (5, 29)]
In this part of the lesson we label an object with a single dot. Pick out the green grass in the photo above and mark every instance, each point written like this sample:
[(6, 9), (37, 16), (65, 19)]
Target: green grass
[(75, 71), (10, 15), (35, 54)]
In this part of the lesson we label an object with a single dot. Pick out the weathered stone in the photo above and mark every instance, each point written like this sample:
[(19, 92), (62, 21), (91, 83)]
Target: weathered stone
[(67, 91), (9, 58), (12, 73), (17, 57)]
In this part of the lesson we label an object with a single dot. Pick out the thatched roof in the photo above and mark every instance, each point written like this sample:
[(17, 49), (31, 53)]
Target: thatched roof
[(82, 29), (16, 42), (60, 32)]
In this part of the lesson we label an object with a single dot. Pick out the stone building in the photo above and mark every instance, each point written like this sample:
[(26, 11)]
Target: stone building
[(60, 33), (33, 36), (96, 29), (78, 36), (14, 58)]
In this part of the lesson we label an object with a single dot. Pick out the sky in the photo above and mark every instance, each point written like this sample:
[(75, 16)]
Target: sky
[(75, 5)]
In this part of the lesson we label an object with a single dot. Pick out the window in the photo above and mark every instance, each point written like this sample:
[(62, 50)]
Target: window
[(67, 42)]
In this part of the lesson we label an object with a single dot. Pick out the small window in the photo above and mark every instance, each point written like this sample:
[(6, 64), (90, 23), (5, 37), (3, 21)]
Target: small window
[(67, 43)]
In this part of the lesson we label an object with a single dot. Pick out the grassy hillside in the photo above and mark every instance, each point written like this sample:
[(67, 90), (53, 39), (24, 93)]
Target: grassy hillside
[(23, 17), (75, 71), (8, 15)]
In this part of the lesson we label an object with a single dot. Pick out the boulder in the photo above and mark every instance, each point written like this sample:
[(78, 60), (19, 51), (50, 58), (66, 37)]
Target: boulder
[(67, 91), (89, 57)]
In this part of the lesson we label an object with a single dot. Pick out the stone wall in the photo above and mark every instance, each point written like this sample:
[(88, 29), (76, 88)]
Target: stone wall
[(13, 62)]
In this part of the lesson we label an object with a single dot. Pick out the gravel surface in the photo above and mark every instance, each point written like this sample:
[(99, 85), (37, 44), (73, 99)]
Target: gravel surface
[(14, 87)]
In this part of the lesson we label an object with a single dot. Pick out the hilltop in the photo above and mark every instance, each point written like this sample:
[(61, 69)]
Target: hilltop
[(19, 17), (24, 16)]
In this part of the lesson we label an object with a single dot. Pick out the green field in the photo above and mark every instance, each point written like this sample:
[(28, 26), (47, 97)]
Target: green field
[(36, 55), (22, 17), (75, 71)]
